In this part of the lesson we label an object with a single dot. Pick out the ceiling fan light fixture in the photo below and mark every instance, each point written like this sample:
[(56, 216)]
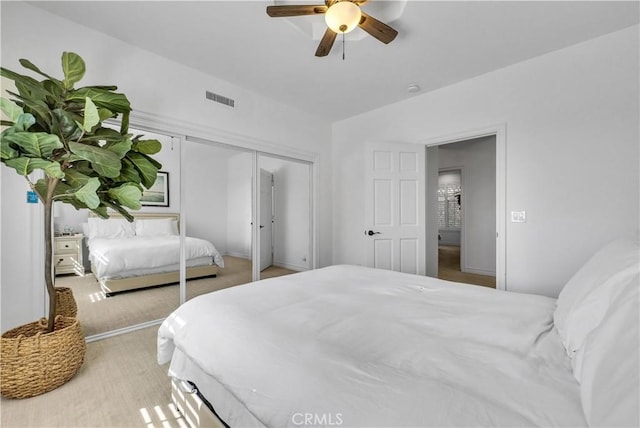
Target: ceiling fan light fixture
[(343, 16)]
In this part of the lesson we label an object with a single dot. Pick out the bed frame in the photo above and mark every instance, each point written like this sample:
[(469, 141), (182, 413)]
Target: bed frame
[(112, 286), (194, 408)]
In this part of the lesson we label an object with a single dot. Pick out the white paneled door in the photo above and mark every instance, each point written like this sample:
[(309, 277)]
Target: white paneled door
[(395, 210)]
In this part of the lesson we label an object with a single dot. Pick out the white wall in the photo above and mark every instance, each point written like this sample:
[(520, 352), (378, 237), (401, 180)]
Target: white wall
[(571, 148), (153, 85), (478, 161), (21, 232)]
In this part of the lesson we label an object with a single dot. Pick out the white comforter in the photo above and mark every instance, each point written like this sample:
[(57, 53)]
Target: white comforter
[(113, 257), (369, 348)]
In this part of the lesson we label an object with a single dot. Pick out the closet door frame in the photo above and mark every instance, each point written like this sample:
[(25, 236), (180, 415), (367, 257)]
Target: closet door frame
[(312, 248)]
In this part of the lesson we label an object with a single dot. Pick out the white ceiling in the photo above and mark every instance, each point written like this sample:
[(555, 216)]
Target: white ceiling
[(439, 43)]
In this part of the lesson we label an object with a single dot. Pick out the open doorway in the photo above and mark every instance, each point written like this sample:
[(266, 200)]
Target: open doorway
[(465, 201)]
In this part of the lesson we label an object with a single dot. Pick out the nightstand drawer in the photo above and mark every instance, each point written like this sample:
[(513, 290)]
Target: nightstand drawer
[(66, 246), (64, 260)]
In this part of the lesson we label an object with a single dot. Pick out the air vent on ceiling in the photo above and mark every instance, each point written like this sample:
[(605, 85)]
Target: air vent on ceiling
[(220, 99)]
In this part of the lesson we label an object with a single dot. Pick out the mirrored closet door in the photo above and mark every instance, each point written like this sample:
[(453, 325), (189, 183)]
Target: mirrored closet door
[(217, 198), (124, 274), (219, 216), (254, 208)]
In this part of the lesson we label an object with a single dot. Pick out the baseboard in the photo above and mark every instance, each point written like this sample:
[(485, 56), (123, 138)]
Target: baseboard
[(478, 271), (290, 266), (239, 255)]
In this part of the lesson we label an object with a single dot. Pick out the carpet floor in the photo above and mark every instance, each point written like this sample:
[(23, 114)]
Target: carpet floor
[(120, 384)]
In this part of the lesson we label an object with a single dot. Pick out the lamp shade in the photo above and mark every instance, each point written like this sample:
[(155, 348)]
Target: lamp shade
[(343, 16)]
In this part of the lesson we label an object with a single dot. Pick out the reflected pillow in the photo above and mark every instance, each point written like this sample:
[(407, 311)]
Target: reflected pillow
[(155, 227), (109, 228)]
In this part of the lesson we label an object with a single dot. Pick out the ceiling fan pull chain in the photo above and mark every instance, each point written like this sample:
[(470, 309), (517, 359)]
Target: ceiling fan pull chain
[(343, 45)]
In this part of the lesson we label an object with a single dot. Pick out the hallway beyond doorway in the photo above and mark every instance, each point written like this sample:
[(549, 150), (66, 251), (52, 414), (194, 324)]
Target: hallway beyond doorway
[(449, 268)]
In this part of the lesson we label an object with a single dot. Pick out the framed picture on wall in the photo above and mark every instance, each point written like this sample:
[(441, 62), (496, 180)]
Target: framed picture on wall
[(158, 194)]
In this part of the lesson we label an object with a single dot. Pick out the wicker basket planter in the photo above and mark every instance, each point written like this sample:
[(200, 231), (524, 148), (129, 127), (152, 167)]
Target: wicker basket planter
[(66, 305), (33, 361)]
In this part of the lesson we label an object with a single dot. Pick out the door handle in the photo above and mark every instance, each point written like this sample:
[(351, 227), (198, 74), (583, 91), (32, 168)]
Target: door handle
[(371, 233), (261, 226)]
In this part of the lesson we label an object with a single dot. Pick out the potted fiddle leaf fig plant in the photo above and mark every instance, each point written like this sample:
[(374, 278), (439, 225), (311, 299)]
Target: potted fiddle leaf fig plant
[(53, 135)]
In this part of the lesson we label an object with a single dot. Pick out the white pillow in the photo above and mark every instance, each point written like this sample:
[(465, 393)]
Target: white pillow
[(155, 227), (610, 374), (604, 268), (109, 228), (588, 316)]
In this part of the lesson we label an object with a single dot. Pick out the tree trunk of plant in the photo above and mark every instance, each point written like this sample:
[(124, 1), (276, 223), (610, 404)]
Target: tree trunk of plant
[(48, 251)]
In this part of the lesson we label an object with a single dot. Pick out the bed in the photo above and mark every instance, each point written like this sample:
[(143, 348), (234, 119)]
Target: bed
[(128, 256), (358, 347)]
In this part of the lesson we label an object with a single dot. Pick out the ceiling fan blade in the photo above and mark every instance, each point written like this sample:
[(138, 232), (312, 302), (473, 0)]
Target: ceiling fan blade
[(377, 29), (295, 10), (326, 43)]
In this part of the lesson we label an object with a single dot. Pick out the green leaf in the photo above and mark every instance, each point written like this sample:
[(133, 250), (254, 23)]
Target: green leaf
[(104, 134), (61, 192), (37, 108), (27, 86), (91, 116), (65, 125), (120, 148), (56, 90), (73, 67), (148, 147), (146, 167), (63, 189), (83, 167), (128, 173), (114, 206), (41, 188), (25, 166), (10, 109), (87, 193), (35, 144), (128, 195), (102, 98), (24, 122), (105, 114), (29, 65), (101, 212), (75, 178), (6, 150), (124, 125), (103, 161)]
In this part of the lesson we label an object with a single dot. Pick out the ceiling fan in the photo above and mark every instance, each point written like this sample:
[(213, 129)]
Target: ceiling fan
[(341, 16)]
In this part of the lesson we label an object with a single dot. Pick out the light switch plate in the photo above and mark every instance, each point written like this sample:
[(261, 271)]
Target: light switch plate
[(518, 217)]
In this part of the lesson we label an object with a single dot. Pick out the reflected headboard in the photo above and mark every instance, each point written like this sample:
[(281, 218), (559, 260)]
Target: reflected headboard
[(141, 215)]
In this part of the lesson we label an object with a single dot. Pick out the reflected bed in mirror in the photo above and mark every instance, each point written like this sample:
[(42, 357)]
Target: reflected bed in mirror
[(145, 253)]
